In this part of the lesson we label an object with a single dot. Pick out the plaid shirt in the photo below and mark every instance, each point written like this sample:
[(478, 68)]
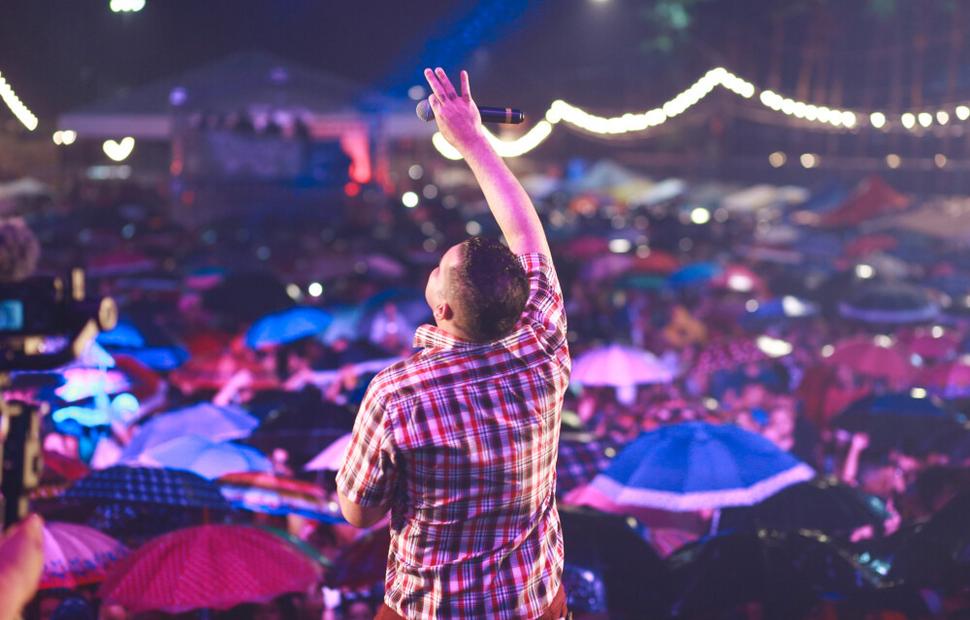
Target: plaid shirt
[(461, 440)]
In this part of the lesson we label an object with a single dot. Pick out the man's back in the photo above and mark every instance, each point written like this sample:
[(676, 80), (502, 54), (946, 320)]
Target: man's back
[(468, 434)]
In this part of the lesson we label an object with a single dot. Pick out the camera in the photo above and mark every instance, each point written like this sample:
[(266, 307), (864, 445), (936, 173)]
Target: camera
[(45, 323)]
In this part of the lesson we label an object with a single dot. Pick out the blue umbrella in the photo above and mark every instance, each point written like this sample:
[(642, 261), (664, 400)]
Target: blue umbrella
[(204, 419), (150, 344), (693, 275), (287, 326), (696, 465), (205, 457), (124, 334)]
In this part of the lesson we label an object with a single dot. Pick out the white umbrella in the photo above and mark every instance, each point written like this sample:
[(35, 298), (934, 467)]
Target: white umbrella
[(332, 457), (619, 366)]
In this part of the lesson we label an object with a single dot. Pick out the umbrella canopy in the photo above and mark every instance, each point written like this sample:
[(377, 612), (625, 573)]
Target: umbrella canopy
[(208, 567), (820, 505), (76, 555), (872, 357), (696, 465), (949, 379), (892, 303), (915, 424), (938, 551), (332, 457), (363, 563), (218, 423), (932, 343), (247, 296), (619, 366), (144, 485), (287, 326), (269, 494), (786, 573), (780, 310), (728, 354), (207, 458), (610, 567), (694, 275)]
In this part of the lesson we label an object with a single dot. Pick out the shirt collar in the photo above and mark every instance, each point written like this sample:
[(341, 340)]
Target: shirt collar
[(433, 337)]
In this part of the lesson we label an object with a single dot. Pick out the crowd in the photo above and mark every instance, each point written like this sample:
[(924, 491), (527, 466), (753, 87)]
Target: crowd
[(843, 342)]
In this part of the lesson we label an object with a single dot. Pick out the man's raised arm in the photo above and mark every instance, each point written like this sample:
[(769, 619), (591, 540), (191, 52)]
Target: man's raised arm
[(460, 123)]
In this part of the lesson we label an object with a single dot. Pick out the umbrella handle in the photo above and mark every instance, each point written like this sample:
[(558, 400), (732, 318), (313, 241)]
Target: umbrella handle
[(715, 521)]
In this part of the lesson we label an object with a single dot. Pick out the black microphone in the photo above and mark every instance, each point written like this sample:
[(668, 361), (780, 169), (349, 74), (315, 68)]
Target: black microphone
[(505, 116)]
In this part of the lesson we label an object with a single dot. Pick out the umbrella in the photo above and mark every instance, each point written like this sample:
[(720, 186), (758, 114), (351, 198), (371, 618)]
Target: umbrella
[(208, 567), (728, 354), (619, 366), (610, 567), (247, 296), (297, 422), (363, 563), (933, 343), (332, 457), (144, 485), (204, 457), (893, 303), (269, 494), (287, 326), (693, 275), (780, 310), (215, 422), (579, 462), (949, 379), (916, 424), (76, 555), (820, 505), (869, 244), (873, 357), (938, 551), (697, 465), (656, 262), (739, 279), (143, 339), (787, 573)]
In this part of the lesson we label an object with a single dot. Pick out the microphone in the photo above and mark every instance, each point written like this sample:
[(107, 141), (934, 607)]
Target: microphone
[(505, 116)]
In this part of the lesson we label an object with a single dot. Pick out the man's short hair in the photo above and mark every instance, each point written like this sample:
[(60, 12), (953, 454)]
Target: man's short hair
[(490, 289)]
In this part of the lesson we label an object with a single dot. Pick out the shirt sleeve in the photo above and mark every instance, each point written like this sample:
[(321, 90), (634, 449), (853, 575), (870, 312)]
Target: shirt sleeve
[(545, 308), (368, 475)]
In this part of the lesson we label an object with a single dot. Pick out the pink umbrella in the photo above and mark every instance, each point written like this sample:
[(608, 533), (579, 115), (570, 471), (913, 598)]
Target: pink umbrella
[(935, 342), (332, 456), (950, 380), (872, 357), (209, 567), (76, 555)]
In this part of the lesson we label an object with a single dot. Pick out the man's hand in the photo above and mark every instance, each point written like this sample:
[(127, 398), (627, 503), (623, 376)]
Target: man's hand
[(456, 114), (21, 565), (461, 124)]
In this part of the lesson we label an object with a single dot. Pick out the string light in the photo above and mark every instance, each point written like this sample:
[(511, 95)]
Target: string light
[(64, 137), (631, 122), (21, 111), (126, 6)]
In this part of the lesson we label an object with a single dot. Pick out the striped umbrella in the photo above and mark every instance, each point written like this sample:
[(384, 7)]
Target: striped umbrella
[(275, 495), (208, 567), (76, 555)]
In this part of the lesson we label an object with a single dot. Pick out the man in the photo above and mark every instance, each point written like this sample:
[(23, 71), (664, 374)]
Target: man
[(460, 440)]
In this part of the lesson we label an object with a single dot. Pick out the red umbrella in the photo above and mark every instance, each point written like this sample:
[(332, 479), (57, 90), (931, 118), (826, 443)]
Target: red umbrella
[(950, 380), (657, 261), (934, 343), (867, 356), (869, 244), (208, 567)]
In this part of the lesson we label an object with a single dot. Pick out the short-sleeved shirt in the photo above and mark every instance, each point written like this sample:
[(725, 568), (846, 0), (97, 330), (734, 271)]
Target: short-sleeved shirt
[(461, 441)]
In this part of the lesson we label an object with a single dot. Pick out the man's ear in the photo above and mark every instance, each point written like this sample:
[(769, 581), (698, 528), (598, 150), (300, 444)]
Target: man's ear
[(443, 312)]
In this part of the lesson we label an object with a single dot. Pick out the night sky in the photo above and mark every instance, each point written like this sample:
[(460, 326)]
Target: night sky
[(63, 53)]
